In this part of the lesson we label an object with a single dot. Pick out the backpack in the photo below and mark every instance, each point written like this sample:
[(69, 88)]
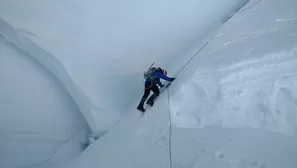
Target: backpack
[(149, 73)]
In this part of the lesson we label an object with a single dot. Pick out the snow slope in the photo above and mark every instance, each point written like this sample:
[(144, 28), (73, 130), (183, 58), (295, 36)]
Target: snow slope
[(234, 105), (91, 37), (242, 94), (250, 79), (64, 40)]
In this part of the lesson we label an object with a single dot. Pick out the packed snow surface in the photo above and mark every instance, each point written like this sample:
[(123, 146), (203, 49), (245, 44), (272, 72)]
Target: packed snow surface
[(234, 105)]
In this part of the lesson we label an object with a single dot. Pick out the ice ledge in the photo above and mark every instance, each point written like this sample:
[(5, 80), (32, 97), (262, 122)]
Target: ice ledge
[(46, 59)]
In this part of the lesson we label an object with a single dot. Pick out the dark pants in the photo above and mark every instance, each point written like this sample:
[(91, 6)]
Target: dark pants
[(147, 91), (156, 91)]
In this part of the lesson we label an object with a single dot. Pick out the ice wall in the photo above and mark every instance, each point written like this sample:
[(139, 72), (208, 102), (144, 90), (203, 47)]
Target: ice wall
[(37, 114)]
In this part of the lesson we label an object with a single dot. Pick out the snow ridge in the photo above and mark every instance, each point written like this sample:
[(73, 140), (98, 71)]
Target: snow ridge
[(31, 49)]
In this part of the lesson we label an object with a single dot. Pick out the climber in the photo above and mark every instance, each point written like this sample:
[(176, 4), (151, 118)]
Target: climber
[(152, 79)]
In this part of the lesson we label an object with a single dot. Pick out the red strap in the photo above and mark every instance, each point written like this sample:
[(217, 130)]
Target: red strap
[(150, 86)]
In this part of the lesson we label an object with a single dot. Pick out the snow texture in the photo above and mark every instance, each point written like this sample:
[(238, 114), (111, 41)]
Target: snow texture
[(67, 78)]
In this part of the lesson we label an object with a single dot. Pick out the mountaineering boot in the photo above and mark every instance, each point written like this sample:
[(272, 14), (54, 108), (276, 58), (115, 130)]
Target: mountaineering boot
[(151, 103), (140, 109), (140, 106), (151, 100)]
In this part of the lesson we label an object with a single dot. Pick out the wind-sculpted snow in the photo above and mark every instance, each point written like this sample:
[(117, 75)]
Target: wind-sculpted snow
[(238, 108), (56, 68), (233, 105), (104, 46), (246, 75), (38, 118), (98, 55)]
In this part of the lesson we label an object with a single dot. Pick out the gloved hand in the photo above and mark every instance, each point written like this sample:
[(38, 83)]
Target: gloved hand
[(172, 79)]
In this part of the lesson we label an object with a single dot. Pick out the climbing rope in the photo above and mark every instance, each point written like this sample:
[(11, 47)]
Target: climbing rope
[(170, 129), (183, 67), (249, 6), (168, 97)]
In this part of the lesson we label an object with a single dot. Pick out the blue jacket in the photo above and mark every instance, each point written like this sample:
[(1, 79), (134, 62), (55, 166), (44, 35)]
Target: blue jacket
[(159, 75)]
